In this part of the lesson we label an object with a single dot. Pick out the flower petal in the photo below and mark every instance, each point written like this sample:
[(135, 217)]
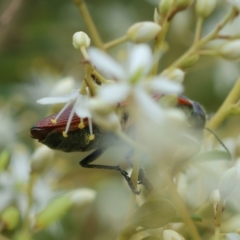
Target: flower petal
[(140, 61), (114, 93), (61, 99), (148, 106), (163, 85), (105, 64), (81, 107)]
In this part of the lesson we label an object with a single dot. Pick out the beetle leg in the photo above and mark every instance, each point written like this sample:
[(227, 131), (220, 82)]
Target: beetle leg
[(97, 153), (142, 179)]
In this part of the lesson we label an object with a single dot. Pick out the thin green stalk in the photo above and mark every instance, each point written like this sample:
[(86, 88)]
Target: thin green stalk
[(198, 31), (90, 24), (158, 44), (197, 45), (116, 42), (225, 109), (183, 212)]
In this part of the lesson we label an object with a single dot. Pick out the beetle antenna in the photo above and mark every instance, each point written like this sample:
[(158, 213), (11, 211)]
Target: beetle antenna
[(219, 140)]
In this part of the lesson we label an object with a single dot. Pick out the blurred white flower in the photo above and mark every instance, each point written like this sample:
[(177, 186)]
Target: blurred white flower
[(228, 182), (232, 236), (130, 85), (12, 181)]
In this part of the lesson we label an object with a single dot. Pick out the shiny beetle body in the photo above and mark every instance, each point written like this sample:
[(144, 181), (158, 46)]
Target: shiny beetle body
[(78, 139)]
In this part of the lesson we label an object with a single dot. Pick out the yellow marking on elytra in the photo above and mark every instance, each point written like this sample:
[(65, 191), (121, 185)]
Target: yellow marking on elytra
[(81, 125), (53, 121), (64, 134)]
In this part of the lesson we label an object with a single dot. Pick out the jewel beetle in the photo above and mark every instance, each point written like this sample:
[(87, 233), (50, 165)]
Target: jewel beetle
[(78, 139)]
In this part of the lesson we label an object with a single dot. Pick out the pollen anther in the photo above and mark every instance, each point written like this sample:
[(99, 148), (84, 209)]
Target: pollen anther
[(64, 133), (91, 137), (53, 121)]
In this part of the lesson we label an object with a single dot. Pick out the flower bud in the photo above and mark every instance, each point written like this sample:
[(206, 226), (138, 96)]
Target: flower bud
[(4, 159), (10, 218), (156, 16), (143, 32), (183, 4), (41, 158), (230, 50), (235, 4), (165, 6), (58, 207), (215, 197), (63, 86), (55, 210), (190, 61), (82, 196), (175, 75), (81, 39), (205, 7), (228, 182), (172, 235)]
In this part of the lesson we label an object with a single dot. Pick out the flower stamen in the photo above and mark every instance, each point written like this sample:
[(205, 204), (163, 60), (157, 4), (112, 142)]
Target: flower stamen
[(81, 124), (92, 136)]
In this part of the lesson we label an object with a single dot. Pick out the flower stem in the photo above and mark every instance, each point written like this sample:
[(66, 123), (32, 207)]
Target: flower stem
[(225, 109), (90, 24), (198, 31), (198, 44), (158, 44), (183, 212), (115, 42)]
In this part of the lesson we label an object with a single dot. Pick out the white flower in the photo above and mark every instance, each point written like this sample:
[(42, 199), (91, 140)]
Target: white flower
[(80, 107), (131, 85)]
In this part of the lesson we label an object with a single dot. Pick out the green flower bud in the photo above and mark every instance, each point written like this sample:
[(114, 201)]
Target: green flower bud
[(156, 16), (10, 218), (143, 32), (230, 50), (205, 7), (183, 4), (165, 6), (190, 61), (81, 39), (175, 75), (58, 207), (55, 210), (4, 159)]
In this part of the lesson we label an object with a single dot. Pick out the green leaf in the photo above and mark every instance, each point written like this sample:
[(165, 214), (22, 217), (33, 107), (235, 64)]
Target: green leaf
[(212, 156), (154, 214), (194, 217)]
